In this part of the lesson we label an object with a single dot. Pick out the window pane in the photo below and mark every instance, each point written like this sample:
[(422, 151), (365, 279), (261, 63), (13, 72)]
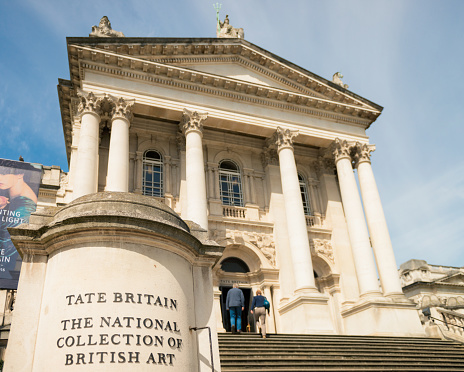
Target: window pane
[(230, 184), (152, 174)]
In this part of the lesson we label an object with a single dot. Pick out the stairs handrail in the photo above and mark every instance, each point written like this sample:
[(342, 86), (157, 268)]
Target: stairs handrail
[(210, 343)]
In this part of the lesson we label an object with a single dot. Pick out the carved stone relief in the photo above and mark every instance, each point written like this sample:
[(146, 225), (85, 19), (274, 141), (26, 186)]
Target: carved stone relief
[(322, 247), (264, 242)]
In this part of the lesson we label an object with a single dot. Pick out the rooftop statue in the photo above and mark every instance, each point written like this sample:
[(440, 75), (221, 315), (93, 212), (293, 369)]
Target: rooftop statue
[(224, 29), (104, 29), (337, 79)]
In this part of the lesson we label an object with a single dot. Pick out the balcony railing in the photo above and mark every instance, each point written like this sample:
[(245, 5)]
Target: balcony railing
[(453, 320), (310, 221), (233, 212)]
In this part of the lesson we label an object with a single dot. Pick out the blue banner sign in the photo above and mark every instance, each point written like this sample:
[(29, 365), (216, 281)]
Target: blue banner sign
[(19, 189)]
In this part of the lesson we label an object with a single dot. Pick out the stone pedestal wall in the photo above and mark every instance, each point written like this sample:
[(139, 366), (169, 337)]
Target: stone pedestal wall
[(111, 283)]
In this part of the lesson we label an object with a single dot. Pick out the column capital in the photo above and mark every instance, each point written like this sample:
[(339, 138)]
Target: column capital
[(283, 138), (269, 157), (324, 165), (90, 103), (342, 149), (122, 109), (363, 153), (192, 121)]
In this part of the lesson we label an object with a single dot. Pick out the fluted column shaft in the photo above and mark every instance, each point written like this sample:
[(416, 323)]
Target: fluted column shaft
[(296, 221), (86, 176), (192, 127), (380, 237), (357, 229)]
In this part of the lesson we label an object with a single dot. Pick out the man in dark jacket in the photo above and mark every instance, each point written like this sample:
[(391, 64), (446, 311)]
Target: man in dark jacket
[(235, 303)]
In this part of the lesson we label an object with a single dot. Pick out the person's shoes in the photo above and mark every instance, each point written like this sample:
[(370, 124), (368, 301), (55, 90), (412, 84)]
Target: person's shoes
[(233, 329), (264, 336), (239, 331)]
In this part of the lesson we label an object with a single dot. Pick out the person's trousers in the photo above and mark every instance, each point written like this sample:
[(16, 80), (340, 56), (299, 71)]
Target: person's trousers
[(260, 316), (236, 313)]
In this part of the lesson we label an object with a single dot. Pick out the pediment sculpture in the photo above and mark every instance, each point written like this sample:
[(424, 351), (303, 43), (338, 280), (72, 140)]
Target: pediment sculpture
[(337, 79), (104, 29), (225, 30)]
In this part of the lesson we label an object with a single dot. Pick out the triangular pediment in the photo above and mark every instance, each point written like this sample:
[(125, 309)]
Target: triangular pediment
[(454, 278), (238, 72), (224, 64)]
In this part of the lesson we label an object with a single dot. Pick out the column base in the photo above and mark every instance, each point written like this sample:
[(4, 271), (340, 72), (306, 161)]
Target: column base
[(306, 313), (307, 291), (382, 317)]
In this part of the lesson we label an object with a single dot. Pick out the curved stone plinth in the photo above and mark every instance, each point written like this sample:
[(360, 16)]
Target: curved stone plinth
[(112, 282)]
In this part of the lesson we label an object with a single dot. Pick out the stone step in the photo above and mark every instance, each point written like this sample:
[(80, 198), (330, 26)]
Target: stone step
[(285, 352), (252, 337), (249, 352)]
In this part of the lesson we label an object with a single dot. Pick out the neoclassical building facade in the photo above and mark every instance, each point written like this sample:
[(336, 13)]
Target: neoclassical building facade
[(260, 154)]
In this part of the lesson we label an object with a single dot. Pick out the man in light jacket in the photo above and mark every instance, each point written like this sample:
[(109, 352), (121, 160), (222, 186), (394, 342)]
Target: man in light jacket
[(235, 303)]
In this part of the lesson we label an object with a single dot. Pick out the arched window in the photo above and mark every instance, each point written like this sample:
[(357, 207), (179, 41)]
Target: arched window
[(304, 195), (230, 183), (234, 265), (152, 173)]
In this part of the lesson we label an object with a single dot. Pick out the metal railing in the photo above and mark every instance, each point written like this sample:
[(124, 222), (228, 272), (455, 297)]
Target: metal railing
[(210, 343)]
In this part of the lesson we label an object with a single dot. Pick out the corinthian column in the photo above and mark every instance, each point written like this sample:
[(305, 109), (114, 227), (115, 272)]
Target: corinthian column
[(86, 171), (192, 127), (380, 238), (357, 229), (296, 221), (118, 158)]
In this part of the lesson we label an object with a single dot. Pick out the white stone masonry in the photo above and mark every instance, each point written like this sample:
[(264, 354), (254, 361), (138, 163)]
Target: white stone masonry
[(192, 127), (357, 229), (297, 230)]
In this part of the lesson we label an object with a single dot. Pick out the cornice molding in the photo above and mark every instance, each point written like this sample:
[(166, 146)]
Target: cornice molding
[(100, 60), (277, 103), (177, 49)]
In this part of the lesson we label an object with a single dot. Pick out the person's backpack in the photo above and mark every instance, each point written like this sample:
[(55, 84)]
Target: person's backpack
[(267, 305)]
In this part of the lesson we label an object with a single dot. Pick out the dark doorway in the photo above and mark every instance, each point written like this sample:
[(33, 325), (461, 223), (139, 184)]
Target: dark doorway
[(247, 317)]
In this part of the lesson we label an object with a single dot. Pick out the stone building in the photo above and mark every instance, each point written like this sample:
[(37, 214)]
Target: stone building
[(438, 292), (258, 153)]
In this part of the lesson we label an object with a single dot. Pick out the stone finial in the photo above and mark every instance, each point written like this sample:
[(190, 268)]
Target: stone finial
[(337, 79), (104, 29), (225, 30)]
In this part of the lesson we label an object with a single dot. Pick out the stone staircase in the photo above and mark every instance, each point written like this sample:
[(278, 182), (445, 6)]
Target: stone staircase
[(249, 352)]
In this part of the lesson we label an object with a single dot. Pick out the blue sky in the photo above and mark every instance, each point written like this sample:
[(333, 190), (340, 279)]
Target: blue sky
[(406, 56)]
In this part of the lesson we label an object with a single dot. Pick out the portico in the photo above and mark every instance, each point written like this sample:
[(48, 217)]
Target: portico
[(262, 158)]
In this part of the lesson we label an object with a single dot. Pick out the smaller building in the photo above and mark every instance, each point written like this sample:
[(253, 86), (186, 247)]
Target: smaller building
[(438, 292)]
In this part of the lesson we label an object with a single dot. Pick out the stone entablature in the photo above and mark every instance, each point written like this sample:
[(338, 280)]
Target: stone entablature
[(339, 104), (188, 51)]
